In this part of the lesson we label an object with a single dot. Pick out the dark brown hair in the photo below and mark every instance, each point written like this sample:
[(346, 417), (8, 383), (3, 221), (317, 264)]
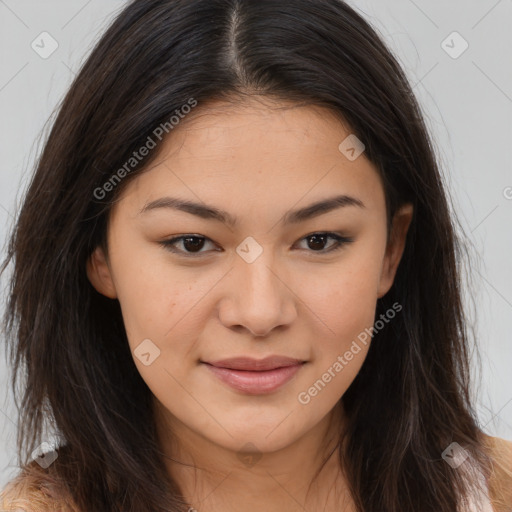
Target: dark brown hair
[(70, 341)]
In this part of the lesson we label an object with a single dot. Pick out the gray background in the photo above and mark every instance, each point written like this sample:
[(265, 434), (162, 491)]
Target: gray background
[(467, 102)]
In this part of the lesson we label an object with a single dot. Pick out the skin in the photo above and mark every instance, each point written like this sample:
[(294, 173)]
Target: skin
[(296, 299)]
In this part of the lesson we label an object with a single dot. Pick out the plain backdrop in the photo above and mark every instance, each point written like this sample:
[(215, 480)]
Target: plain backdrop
[(465, 93)]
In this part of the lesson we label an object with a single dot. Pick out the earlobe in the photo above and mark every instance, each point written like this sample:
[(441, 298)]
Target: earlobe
[(98, 272), (396, 245)]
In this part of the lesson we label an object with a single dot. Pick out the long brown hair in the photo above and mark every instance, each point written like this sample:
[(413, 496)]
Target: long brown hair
[(68, 343)]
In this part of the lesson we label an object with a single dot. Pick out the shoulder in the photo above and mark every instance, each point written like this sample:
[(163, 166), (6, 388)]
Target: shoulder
[(33, 490), (500, 484)]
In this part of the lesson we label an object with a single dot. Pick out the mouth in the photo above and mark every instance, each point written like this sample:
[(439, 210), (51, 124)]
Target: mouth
[(250, 364), (253, 376)]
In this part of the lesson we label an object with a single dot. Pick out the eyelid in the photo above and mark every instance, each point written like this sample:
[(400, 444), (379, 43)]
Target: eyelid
[(341, 241)]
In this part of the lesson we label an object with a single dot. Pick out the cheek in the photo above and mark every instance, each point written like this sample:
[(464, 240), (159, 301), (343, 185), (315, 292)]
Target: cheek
[(161, 322), (347, 311), (163, 310), (147, 301), (345, 303), (152, 295), (346, 299)]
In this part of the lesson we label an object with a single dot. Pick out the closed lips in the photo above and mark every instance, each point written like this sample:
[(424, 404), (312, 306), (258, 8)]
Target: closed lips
[(253, 376), (255, 365)]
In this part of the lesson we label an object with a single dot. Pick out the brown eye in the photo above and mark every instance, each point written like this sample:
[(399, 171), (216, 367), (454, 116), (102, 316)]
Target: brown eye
[(317, 241), (191, 244)]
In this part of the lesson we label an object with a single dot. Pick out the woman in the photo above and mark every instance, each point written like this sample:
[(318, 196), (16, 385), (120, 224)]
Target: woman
[(236, 281)]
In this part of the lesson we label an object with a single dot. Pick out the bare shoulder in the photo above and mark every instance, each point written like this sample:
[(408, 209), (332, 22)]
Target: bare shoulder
[(500, 485), (34, 491)]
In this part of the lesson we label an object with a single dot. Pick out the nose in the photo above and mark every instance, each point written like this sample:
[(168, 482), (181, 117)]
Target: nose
[(257, 298)]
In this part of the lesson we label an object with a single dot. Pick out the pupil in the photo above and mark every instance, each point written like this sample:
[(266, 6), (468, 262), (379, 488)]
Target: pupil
[(313, 237), (198, 245), (318, 242)]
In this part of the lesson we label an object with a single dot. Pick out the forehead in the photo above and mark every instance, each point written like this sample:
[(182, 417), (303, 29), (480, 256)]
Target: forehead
[(259, 126), (257, 154)]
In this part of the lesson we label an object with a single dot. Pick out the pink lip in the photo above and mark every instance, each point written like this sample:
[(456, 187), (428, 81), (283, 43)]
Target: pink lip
[(247, 363), (253, 376)]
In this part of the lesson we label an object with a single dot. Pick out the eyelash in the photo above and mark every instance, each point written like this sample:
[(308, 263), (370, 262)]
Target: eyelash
[(341, 241)]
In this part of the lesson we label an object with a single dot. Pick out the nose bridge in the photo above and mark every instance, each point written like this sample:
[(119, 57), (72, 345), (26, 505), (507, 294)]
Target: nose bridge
[(260, 287), (259, 279), (259, 300)]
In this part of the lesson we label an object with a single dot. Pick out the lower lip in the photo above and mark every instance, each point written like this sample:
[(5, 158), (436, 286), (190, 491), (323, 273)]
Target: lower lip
[(255, 383)]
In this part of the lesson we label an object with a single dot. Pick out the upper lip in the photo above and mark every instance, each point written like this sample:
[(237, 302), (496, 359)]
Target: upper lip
[(247, 363)]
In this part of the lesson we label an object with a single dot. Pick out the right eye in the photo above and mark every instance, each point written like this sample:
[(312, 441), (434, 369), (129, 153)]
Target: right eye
[(192, 244)]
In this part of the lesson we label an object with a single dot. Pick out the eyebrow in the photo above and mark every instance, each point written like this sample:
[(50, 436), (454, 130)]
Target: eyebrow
[(291, 217)]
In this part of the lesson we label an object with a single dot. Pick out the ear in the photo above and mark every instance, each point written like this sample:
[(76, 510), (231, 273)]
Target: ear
[(98, 272), (395, 248)]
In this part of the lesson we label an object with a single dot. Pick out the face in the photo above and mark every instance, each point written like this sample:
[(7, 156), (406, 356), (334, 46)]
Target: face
[(273, 277)]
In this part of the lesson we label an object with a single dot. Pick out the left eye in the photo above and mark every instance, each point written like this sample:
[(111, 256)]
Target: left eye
[(320, 238), (194, 243)]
